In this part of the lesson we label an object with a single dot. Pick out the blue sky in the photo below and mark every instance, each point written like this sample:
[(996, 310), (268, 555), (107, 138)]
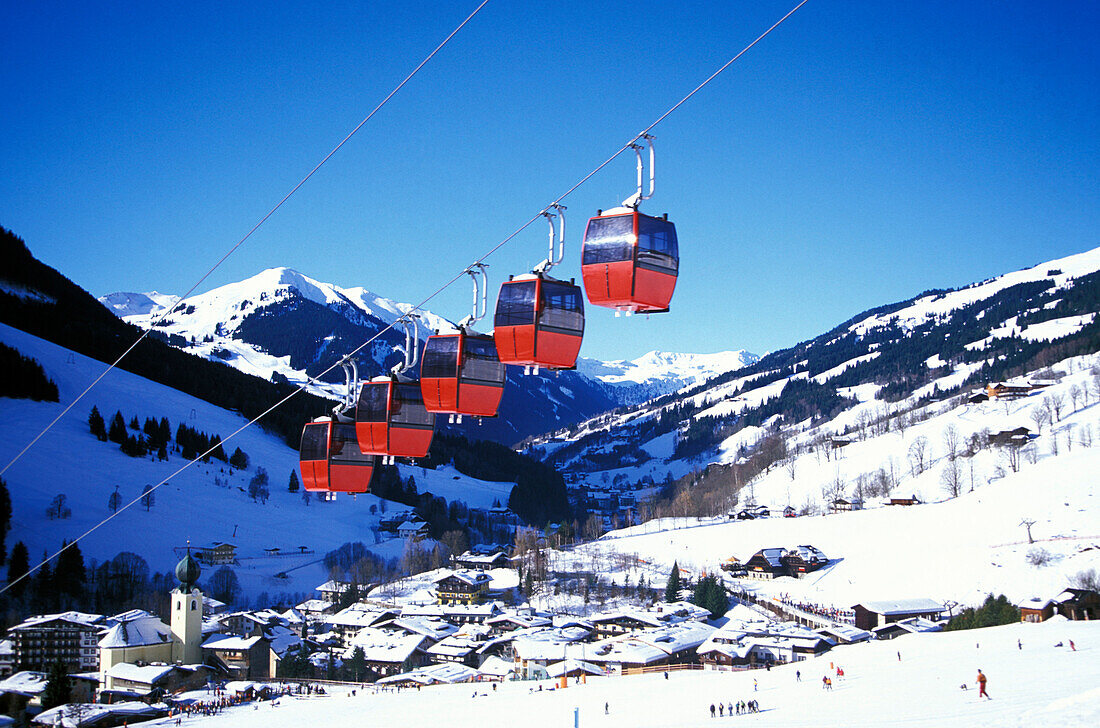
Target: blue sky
[(862, 153)]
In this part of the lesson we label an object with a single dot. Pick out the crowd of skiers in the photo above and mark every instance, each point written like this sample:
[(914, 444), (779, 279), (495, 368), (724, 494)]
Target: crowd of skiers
[(739, 708)]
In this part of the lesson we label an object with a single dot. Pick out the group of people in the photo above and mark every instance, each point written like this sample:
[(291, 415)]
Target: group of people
[(738, 708), (837, 615)]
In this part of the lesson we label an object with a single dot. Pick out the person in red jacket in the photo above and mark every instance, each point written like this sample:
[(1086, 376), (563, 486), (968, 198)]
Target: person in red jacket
[(981, 685)]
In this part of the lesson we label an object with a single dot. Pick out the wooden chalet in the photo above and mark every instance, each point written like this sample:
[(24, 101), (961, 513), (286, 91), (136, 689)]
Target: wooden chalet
[(1078, 604), (1000, 390), (766, 564), (481, 562), (910, 501), (802, 560), (242, 658), (217, 554), (772, 563), (1016, 436), (1036, 609), (462, 587)]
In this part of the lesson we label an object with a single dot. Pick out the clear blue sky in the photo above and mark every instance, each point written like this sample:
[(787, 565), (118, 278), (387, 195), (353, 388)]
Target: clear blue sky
[(862, 153)]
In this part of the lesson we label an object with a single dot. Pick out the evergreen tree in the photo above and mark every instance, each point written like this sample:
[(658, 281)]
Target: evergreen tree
[(97, 425), (356, 665), (672, 588), (5, 519), (70, 575), (711, 595), (292, 486), (117, 431), (45, 595), (58, 687), (134, 423), (239, 459), (18, 566)]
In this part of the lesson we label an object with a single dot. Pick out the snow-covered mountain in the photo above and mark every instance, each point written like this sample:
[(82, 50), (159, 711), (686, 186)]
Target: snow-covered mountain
[(877, 366), (661, 372), (284, 326)]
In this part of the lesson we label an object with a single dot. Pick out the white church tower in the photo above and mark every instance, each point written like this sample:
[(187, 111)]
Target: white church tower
[(186, 622)]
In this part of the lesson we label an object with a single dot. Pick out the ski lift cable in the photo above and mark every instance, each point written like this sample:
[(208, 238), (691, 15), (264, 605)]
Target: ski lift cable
[(418, 307), (241, 242)]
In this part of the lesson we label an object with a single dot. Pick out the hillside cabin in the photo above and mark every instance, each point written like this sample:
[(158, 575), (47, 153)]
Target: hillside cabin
[(1000, 390), (804, 559), (1036, 609), (843, 504), (462, 587), (790, 512), (1078, 604), (772, 563), (870, 615), (241, 658), (1015, 436), (413, 530), (910, 501), (766, 564), (218, 553), (481, 562)]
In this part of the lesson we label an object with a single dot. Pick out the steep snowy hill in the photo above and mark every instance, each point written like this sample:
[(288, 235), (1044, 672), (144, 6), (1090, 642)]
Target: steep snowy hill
[(878, 365), (201, 504)]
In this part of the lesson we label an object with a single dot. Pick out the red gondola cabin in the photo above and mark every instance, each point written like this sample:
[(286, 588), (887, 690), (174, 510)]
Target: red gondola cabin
[(331, 461), (390, 419), (629, 261), (461, 374), (539, 321)]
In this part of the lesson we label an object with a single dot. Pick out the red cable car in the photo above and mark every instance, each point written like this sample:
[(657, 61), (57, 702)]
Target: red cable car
[(331, 461), (629, 261), (390, 419), (461, 374), (539, 322)]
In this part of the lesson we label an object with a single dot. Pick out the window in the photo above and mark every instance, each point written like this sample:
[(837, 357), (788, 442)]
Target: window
[(345, 446), (374, 399), (408, 406), (561, 307), (480, 360), (657, 246), (516, 304), (315, 441), (440, 357), (608, 239)]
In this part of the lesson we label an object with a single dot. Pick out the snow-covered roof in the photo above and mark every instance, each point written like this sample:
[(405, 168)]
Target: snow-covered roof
[(567, 667), (903, 606), (435, 629), (135, 628), (497, 667), (231, 642), (520, 619), (383, 646), (846, 632), (446, 673), (28, 682), (315, 605), (470, 576), (146, 674), (808, 553), (82, 619), (92, 713)]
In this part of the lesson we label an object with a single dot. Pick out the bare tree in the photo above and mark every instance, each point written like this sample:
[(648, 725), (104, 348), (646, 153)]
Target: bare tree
[(951, 478), (918, 455), (951, 441), (1075, 396), (1028, 523), (1039, 415), (1056, 403)]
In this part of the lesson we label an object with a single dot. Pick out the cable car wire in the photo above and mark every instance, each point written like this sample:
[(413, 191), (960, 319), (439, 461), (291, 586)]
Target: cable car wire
[(241, 242), (418, 306)]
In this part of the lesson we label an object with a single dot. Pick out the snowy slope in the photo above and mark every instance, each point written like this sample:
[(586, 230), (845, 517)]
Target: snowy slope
[(191, 507), (1039, 685)]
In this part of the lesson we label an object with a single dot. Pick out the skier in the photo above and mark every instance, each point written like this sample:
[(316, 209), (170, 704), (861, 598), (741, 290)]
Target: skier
[(798, 675), (1019, 645), (712, 710), (721, 709), (607, 708), (981, 684), (1072, 646), (729, 708), (754, 685)]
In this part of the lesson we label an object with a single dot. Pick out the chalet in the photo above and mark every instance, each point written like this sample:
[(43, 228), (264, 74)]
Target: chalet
[(1000, 390), (804, 559), (461, 647), (620, 623), (789, 512), (315, 610), (349, 621), (1015, 436), (332, 590), (387, 652), (1036, 609), (875, 614), (217, 554), (766, 564), (675, 644), (843, 504), (439, 674), (462, 587), (517, 620), (413, 530), (1078, 604), (481, 562), (242, 658), (101, 716), (911, 501), (7, 658), (460, 614), (844, 634), (156, 680)]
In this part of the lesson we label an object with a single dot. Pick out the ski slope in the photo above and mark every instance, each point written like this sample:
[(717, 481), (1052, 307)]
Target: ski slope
[(1038, 685)]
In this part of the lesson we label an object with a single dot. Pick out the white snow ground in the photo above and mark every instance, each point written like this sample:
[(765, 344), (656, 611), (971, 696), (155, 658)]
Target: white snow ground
[(1039, 685)]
